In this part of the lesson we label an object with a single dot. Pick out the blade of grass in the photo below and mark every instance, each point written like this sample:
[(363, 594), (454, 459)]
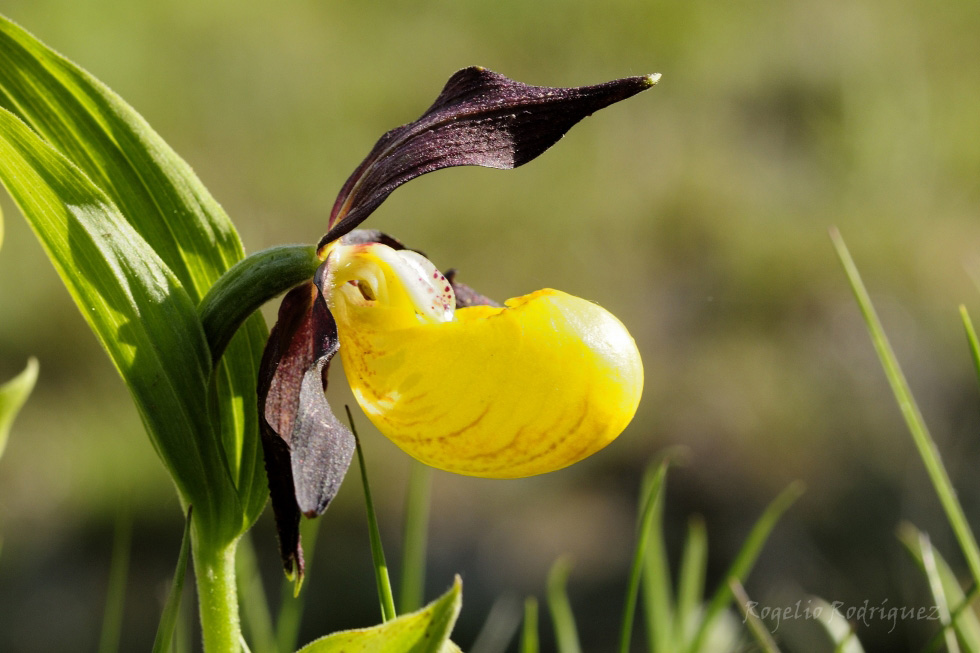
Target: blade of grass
[(971, 337), (498, 630), (13, 395), (291, 606), (938, 594), (112, 616), (756, 627), (412, 590), (171, 609), (961, 617), (837, 627), (182, 630), (645, 526), (561, 608), (690, 584), (963, 620), (928, 451), (377, 552), (745, 559), (657, 599), (256, 616), (529, 636)]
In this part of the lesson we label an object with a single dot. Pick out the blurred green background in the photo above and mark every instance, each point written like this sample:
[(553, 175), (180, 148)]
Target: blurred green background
[(697, 213)]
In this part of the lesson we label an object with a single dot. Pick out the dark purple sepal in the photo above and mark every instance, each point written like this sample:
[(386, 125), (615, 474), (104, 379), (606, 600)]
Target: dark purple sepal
[(307, 450), (481, 118), (365, 236), (466, 296)]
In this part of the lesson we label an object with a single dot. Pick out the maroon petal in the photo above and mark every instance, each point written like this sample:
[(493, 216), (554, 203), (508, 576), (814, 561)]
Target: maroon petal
[(307, 450), (480, 118)]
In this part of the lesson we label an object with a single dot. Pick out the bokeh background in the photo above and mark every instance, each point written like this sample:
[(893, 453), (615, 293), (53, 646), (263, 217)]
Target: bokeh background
[(697, 212)]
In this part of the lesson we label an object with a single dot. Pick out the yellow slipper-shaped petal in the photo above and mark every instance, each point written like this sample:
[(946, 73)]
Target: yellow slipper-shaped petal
[(487, 391)]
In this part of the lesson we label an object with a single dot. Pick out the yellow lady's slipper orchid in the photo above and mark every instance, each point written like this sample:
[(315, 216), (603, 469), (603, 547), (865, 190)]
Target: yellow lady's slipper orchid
[(456, 381), (501, 392)]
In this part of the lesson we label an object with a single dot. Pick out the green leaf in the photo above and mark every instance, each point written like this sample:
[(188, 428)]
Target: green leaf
[(115, 604), (383, 582), (745, 559), (839, 630), (560, 607), (758, 629), (158, 194), (171, 609), (502, 622), (690, 584), (952, 603), (648, 517), (657, 600), (928, 451), (137, 308), (529, 634), (412, 587), (13, 394), (425, 631), (256, 615)]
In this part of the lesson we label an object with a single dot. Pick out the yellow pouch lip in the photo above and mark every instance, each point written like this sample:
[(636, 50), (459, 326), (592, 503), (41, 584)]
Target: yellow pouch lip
[(499, 391)]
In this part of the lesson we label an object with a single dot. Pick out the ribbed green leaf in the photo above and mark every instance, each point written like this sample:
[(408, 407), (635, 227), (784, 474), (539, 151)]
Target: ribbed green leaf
[(160, 197), (13, 394), (425, 631), (137, 308)]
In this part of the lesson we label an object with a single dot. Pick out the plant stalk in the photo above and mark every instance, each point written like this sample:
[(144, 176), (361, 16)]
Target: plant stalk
[(214, 568)]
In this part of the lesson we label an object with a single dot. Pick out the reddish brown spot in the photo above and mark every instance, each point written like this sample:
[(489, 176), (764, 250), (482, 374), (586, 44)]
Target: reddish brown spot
[(447, 288)]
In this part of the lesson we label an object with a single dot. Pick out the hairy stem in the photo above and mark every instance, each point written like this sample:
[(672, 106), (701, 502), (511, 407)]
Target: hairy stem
[(214, 567), (250, 283)]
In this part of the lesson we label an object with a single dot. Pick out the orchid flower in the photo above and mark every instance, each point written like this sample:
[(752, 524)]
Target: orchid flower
[(456, 380)]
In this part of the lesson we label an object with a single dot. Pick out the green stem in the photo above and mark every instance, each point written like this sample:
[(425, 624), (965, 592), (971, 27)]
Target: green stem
[(214, 568), (247, 285), (377, 552)]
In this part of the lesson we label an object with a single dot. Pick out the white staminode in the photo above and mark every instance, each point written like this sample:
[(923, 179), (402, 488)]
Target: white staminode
[(371, 268)]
